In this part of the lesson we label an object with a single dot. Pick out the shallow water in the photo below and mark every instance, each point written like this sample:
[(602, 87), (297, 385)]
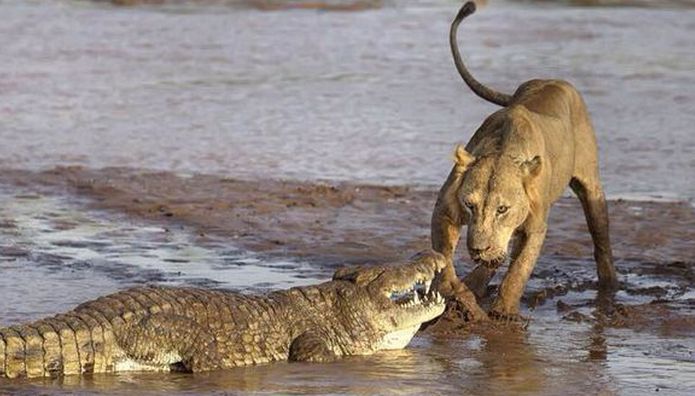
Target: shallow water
[(370, 96), (56, 254)]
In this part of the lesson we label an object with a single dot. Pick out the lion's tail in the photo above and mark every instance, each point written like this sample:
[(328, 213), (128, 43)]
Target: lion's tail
[(480, 89)]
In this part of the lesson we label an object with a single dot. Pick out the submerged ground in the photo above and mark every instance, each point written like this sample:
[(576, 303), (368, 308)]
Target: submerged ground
[(364, 109), (75, 234)]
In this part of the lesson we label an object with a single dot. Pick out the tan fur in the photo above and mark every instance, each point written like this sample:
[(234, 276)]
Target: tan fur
[(522, 157), (503, 183)]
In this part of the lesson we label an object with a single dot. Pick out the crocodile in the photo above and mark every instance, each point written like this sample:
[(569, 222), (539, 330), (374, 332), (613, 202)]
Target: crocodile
[(362, 310)]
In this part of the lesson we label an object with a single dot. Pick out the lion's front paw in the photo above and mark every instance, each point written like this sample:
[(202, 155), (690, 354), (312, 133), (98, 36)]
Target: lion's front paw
[(466, 299)]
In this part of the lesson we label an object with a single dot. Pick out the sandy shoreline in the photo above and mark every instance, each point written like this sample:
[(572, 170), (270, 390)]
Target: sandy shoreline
[(574, 331), (347, 223)]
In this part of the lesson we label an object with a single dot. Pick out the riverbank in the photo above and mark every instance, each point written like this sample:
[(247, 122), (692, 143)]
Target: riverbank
[(251, 235), (334, 222)]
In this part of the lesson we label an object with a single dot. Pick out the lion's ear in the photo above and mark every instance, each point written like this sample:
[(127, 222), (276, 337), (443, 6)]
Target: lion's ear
[(532, 167), (461, 156)]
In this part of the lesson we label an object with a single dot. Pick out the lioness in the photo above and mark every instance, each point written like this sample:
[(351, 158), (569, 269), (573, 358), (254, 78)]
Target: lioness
[(504, 181)]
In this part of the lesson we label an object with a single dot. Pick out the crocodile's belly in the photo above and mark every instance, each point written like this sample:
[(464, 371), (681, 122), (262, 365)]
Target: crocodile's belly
[(162, 363)]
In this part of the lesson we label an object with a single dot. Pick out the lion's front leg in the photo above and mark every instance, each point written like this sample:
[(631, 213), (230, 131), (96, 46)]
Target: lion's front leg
[(507, 302), (445, 235), (453, 289), (447, 219)]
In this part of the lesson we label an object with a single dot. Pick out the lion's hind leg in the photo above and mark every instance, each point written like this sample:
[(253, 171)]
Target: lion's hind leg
[(590, 193)]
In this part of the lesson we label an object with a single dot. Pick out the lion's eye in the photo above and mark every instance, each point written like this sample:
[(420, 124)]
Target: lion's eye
[(468, 204), (502, 209)]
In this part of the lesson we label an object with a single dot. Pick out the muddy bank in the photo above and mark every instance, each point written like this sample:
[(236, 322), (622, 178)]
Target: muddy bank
[(334, 223), (577, 340), (331, 224)]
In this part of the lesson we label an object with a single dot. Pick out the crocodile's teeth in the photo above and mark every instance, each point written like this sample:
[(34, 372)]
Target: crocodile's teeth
[(416, 299), (427, 286)]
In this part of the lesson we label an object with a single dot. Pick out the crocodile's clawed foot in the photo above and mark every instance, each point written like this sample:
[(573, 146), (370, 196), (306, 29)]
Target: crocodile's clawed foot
[(511, 320)]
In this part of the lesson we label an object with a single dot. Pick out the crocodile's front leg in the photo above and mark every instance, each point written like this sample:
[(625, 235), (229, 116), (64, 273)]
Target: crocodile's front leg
[(311, 347), (169, 341)]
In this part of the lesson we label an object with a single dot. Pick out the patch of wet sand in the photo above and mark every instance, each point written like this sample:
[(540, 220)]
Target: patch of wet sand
[(577, 338), (334, 222), (55, 254), (331, 224)]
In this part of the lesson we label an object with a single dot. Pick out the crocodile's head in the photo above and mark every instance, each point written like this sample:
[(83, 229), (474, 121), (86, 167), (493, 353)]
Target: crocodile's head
[(394, 299)]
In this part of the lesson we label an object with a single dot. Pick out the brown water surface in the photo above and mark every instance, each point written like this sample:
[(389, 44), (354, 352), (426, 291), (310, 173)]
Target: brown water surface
[(228, 99), (60, 251), (369, 96)]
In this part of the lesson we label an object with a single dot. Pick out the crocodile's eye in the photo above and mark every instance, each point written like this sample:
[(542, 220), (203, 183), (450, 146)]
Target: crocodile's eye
[(502, 209), (468, 204)]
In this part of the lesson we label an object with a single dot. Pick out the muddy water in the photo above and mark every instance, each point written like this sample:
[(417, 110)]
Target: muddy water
[(54, 255), (370, 96)]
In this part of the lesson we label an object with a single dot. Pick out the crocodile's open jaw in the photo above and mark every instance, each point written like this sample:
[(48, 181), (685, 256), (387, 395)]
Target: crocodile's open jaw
[(417, 305), (414, 305), (400, 297)]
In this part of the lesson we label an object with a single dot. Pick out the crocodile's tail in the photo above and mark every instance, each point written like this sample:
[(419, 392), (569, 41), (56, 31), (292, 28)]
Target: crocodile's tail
[(481, 90), (62, 345)]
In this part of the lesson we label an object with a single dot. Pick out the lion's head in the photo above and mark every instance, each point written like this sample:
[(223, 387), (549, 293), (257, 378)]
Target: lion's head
[(497, 195)]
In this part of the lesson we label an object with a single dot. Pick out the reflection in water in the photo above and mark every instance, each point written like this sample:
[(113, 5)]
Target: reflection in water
[(54, 255), (597, 346), (517, 373), (77, 255), (428, 367), (496, 361)]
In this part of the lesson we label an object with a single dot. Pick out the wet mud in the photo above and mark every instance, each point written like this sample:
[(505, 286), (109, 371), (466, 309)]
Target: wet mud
[(250, 96), (619, 3), (55, 253), (330, 223), (575, 340)]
